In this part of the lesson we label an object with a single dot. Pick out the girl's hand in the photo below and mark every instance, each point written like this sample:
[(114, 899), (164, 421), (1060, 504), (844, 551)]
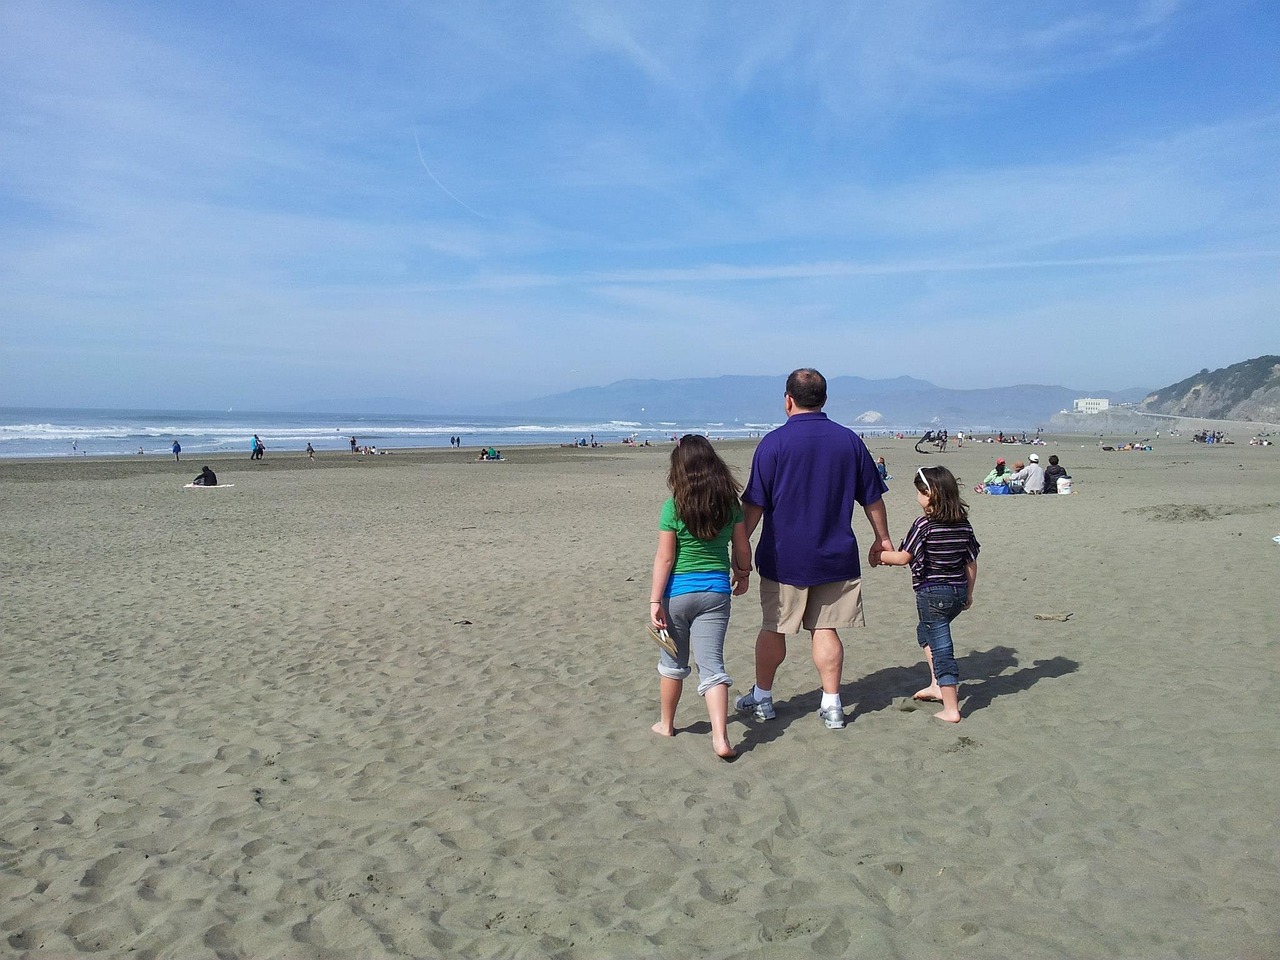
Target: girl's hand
[(741, 584), (658, 615)]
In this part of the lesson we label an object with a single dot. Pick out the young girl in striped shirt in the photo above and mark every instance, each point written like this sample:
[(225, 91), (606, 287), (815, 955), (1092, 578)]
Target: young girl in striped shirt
[(942, 552)]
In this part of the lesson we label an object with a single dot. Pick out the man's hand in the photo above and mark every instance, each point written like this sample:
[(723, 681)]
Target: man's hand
[(877, 548)]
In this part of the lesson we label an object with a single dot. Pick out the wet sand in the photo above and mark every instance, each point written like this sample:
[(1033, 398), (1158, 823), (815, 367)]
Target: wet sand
[(400, 706)]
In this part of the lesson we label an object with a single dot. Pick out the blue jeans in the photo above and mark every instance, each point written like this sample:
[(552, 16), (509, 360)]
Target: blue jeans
[(697, 623), (937, 605)]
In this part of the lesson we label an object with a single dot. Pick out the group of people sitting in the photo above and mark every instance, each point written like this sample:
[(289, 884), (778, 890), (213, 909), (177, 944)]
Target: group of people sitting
[(488, 453), (1024, 478)]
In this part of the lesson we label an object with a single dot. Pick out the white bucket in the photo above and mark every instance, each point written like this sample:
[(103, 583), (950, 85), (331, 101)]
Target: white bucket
[(1064, 484)]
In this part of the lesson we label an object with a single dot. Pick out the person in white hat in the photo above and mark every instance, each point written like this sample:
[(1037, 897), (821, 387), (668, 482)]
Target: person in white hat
[(1030, 479)]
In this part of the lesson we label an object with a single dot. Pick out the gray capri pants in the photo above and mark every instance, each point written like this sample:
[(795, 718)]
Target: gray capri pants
[(698, 621)]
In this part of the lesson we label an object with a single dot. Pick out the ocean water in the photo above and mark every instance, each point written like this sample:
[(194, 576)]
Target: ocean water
[(53, 432)]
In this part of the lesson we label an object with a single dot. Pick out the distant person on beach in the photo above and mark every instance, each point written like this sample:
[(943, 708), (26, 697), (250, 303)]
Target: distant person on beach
[(693, 576), (206, 478), (998, 473), (311, 451), (999, 476), (806, 477), (1028, 479), (883, 469), (942, 552), (258, 449), (353, 444), (1052, 473), (177, 449)]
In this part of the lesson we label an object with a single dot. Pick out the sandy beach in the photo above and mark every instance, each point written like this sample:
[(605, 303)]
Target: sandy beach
[(400, 706)]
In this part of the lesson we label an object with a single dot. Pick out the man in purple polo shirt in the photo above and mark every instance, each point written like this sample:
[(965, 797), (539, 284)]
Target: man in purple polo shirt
[(806, 477)]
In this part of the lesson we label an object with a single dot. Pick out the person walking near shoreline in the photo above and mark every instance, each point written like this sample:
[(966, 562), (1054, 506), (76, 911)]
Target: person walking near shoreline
[(806, 477)]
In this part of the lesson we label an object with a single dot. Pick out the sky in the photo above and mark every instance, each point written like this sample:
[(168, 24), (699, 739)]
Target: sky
[(259, 204)]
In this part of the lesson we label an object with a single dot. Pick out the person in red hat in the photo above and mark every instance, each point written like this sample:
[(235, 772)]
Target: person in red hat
[(997, 475)]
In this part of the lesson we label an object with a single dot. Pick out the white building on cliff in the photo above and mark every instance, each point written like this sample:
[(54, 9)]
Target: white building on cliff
[(1090, 405)]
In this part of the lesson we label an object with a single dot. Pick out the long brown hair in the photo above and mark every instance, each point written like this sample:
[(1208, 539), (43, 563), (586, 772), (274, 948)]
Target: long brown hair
[(705, 490), (940, 486)]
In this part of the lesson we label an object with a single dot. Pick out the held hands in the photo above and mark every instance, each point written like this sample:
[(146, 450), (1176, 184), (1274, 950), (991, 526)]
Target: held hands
[(877, 548), (741, 580)]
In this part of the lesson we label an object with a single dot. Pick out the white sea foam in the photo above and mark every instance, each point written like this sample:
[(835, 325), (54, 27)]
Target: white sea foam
[(52, 432)]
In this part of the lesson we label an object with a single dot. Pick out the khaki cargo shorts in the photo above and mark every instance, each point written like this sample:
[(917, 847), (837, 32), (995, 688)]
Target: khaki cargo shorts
[(825, 606)]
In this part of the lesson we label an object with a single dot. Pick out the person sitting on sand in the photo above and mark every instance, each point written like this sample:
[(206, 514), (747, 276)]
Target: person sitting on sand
[(1028, 479), (692, 582), (1052, 473), (998, 476), (207, 478)]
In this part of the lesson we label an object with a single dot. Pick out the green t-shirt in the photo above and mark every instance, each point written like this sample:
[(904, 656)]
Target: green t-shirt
[(694, 555)]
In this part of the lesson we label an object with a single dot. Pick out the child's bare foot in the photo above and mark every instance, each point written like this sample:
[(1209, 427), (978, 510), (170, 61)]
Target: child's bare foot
[(931, 693), (723, 750), (663, 730), (950, 711)]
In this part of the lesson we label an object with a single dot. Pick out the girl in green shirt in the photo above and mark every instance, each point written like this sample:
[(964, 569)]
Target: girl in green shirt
[(693, 579)]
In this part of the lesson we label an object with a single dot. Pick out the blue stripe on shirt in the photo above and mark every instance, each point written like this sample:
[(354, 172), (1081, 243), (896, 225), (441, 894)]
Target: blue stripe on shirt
[(706, 581)]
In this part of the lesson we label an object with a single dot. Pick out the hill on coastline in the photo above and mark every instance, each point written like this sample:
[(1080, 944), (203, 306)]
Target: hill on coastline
[(1249, 390)]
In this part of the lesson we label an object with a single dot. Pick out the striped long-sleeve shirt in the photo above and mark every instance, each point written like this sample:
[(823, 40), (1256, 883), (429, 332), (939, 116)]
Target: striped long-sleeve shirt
[(939, 552)]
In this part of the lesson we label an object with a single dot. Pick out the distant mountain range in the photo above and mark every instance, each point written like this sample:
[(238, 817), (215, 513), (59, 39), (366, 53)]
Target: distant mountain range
[(899, 402), (1249, 390)]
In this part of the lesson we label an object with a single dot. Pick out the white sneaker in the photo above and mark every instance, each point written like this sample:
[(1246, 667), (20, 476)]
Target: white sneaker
[(747, 703), (833, 717)]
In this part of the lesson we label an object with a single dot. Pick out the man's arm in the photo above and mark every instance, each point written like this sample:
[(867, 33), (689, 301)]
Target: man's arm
[(751, 515), (878, 515)]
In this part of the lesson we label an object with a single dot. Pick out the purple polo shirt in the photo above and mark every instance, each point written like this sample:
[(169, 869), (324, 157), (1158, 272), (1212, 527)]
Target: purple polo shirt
[(807, 475)]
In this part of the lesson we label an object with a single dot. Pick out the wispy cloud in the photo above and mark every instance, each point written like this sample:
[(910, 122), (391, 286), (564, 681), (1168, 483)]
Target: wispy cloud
[(526, 183)]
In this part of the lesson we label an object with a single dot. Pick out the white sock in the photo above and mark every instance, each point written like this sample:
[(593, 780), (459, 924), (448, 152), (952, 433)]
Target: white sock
[(763, 694), (831, 700)]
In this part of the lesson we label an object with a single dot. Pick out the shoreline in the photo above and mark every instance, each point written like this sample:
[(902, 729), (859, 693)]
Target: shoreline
[(288, 459)]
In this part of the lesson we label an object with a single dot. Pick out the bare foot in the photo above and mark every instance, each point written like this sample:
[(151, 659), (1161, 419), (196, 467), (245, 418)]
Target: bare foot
[(933, 693), (662, 730), (951, 716), (723, 750)]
